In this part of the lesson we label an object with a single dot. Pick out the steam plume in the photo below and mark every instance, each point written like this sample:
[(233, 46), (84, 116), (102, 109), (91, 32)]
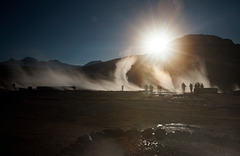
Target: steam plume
[(73, 77)]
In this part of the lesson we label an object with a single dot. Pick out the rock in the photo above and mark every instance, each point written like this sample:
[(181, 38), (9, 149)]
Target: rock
[(97, 136), (147, 133), (132, 134), (113, 133), (85, 139), (160, 134)]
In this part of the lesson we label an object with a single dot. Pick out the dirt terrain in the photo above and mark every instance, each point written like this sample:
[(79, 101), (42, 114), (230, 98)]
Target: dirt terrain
[(45, 123)]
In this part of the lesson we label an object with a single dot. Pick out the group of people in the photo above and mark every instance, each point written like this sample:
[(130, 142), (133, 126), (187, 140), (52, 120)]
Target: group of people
[(149, 88), (196, 86)]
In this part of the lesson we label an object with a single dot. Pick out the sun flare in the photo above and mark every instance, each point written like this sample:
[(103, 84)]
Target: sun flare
[(158, 45)]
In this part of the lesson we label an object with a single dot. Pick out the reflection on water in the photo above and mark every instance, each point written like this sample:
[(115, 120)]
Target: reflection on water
[(172, 127)]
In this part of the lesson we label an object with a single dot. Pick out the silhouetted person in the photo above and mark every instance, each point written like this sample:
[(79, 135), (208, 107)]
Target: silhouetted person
[(14, 86), (151, 88), (146, 88), (197, 85), (201, 86), (191, 87), (122, 87), (183, 87), (159, 88)]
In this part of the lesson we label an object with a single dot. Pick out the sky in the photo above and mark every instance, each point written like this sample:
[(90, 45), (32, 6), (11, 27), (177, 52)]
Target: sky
[(76, 32)]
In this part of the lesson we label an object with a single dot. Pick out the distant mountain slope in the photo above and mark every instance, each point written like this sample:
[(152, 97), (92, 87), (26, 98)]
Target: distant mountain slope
[(221, 56), (103, 70), (92, 63), (218, 58), (32, 62), (30, 69), (209, 46)]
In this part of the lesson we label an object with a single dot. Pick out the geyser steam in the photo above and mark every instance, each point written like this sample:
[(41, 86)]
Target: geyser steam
[(122, 67), (74, 77), (169, 75), (132, 72)]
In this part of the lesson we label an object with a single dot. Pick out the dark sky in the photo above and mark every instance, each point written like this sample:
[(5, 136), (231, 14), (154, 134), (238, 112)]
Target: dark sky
[(76, 32)]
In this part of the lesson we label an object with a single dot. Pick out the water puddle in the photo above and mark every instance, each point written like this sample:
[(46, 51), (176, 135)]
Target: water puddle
[(173, 127)]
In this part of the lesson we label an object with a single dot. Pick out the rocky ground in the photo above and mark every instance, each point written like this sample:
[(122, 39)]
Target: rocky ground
[(119, 123)]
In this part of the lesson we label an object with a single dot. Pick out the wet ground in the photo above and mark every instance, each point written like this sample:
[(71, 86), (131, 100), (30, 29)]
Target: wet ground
[(65, 123), (165, 139)]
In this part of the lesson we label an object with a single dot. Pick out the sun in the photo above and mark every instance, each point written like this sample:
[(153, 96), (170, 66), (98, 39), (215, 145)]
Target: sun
[(158, 45)]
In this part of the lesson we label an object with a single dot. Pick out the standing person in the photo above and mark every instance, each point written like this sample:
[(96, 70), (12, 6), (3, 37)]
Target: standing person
[(14, 86), (151, 88), (122, 87), (183, 87), (201, 86), (146, 88), (198, 85), (191, 87), (159, 88)]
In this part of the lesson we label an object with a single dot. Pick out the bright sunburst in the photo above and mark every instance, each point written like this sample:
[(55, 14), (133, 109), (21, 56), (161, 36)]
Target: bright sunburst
[(157, 44)]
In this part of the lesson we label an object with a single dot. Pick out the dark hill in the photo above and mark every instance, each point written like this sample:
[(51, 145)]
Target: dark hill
[(220, 56), (92, 63), (101, 70), (210, 47)]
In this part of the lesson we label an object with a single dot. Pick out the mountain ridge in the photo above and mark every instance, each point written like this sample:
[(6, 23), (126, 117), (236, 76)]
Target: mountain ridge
[(30, 61)]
